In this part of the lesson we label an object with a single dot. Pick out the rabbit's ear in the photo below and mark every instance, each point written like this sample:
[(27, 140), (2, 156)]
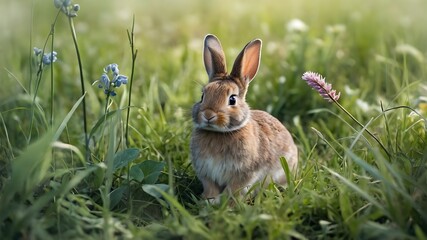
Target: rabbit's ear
[(247, 62), (214, 57)]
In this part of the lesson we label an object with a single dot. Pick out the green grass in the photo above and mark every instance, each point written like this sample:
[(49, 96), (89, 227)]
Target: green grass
[(346, 186)]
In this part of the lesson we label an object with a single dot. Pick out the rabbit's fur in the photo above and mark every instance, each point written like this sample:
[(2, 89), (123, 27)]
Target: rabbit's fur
[(233, 147)]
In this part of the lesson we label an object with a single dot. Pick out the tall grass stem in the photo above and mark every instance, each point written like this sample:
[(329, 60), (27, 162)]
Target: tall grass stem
[(39, 76), (30, 55), (362, 126), (82, 83), (134, 53), (52, 91)]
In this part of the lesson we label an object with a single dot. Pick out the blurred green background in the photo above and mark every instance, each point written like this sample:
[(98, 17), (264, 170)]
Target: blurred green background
[(350, 42)]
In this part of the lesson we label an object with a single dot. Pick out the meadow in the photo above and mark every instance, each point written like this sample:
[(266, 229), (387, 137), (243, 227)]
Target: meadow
[(82, 159)]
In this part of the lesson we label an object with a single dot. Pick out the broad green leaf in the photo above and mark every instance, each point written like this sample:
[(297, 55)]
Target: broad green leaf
[(136, 173), (153, 189), (151, 170), (116, 195), (124, 157)]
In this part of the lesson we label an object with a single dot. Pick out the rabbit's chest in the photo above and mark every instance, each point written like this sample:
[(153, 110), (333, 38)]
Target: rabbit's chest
[(222, 157), (221, 170)]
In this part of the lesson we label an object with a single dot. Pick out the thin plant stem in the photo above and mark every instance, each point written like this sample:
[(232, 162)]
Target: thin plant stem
[(406, 107), (386, 125), (52, 31), (361, 125), (170, 176), (51, 77), (106, 105), (40, 74), (134, 54), (83, 91), (31, 48)]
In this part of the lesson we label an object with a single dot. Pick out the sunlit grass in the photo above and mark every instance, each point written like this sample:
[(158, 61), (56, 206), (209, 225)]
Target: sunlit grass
[(143, 186)]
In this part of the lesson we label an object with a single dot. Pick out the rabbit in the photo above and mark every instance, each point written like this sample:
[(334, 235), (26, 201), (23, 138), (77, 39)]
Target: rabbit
[(233, 147)]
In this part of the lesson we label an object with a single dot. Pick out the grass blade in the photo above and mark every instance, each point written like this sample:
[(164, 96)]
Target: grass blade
[(358, 190)]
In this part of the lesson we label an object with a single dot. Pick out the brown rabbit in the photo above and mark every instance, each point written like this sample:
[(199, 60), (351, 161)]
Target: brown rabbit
[(233, 147)]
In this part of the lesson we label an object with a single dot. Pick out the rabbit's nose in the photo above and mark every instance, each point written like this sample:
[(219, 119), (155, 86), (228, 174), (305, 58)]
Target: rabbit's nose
[(209, 118)]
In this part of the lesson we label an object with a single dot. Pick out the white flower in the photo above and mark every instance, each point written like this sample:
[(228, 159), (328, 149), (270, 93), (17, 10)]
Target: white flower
[(364, 106), (336, 29), (351, 92), (296, 25)]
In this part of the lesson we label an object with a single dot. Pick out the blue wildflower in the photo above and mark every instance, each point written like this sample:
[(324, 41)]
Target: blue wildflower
[(104, 82), (66, 7), (61, 3), (37, 51), (76, 7), (121, 79), (113, 67), (49, 58), (117, 79)]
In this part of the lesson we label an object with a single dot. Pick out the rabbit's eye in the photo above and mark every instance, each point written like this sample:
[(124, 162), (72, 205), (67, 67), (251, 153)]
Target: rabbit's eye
[(232, 100)]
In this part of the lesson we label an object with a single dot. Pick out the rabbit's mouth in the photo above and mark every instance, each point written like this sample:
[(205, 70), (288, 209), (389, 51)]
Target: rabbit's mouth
[(211, 127), (208, 126)]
